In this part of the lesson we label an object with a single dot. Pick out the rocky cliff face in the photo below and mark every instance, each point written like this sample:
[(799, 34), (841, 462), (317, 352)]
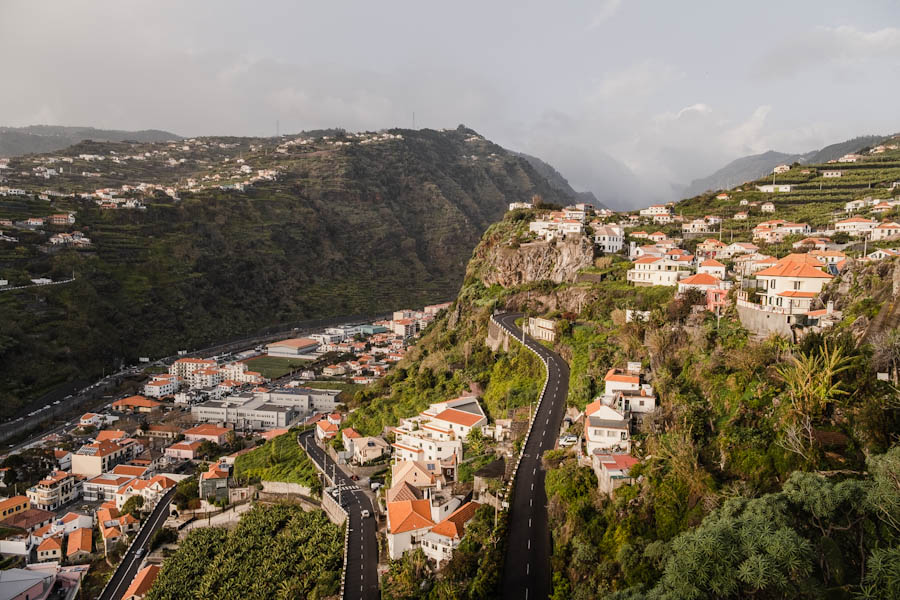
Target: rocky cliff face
[(557, 261)]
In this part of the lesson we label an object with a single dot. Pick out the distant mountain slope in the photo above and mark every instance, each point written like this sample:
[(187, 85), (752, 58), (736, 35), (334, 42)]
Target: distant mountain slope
[(16, 141), (558, 182), (749, 168), (350, 226)]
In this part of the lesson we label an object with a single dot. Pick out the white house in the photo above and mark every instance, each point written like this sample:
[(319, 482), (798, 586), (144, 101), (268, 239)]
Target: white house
[(885, 230), (831, 173), (609, 239), (856, 226), (605, 429), (712, 267), (656, 210), (792, 283), (781, 169), (767, 207), (653, 270)]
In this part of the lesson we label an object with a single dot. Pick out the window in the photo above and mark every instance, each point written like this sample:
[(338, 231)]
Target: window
[(796, 285)]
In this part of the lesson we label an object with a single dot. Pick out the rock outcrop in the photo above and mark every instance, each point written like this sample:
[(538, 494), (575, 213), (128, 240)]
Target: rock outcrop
[(557, 261)]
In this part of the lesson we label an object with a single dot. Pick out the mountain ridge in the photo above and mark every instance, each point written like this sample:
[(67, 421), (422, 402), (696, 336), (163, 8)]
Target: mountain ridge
[(754, 166)]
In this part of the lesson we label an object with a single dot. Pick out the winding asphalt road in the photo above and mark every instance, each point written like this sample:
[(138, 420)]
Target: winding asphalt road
[(131, 562), (361, 572), (526, 575)]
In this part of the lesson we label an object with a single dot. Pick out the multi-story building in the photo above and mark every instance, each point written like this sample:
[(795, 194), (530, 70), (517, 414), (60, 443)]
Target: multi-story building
[(56, 490), (653, 270), (185, 366), (93, 459)]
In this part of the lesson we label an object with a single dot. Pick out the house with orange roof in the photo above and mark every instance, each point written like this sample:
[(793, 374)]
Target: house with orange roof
[(207, 432), (110, 435), (651, 270), (183, 367), (407, 522), (349, 436), (699, 281), (80, 545), (151, 490), (440, 542), (606, 428), (99, 457), (326, 430), (55, 490), (215, 481), (113, 525), (14, 505), (885, 231), (183, 450), (104, 487), (792, 283), (856, 226), (142, 582), (136, 404), (90, 420), (50, 549), (612, 470), (712, 267)]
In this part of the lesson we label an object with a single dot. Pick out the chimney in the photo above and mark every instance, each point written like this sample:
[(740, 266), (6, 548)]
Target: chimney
[(829, 307)]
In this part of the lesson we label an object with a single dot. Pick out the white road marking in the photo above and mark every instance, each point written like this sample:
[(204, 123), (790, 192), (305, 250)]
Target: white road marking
[(529, 521)]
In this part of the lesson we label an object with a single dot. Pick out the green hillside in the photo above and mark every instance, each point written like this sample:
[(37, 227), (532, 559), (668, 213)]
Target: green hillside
[(344, 229), (770, 469)]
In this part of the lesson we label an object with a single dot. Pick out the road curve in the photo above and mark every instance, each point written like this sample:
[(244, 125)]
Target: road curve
[(130, 563), (526, 574), (361, 560)]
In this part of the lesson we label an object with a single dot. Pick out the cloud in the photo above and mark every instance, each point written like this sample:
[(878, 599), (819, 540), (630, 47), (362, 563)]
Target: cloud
[(637, 81), (842, 47), (606, 10)]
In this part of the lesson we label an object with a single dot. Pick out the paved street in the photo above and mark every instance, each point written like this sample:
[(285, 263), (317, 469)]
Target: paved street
[(361, 576), (131, 563), (526, 574)]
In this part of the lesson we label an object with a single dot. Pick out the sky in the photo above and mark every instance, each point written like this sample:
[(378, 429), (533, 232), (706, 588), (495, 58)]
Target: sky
[(626, 98)]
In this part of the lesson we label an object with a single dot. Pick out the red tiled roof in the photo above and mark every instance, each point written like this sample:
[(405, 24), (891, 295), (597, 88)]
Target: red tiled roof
[(454, 525), (409, 515), (458, 417)]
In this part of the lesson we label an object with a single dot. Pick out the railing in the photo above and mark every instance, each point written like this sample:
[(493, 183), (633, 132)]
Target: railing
[(778, 310), (537, 409)]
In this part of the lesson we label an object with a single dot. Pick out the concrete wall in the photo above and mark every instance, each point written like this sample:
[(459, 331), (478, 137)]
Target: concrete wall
[(335, 513), (497, 338), (764, 323), (280, 487)]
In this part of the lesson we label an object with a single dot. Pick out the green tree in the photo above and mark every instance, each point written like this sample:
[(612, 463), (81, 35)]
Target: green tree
[(133, 506)]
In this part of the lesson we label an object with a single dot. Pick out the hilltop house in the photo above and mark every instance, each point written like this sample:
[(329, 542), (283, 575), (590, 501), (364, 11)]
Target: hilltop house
[(712, 267), (605, 428), (886, 230), (612, 470)]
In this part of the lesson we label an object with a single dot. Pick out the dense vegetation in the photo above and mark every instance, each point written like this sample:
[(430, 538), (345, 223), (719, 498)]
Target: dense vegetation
[(278, 551), (344, 230), (279, 459)]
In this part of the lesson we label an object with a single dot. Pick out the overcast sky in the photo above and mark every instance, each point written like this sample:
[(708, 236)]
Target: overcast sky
[(657, 91)]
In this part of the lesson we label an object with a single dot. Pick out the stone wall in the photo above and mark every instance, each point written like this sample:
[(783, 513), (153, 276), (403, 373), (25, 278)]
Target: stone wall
[(280, 487)]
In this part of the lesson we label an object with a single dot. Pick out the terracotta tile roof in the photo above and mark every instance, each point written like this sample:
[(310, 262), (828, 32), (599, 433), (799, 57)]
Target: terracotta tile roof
[(207, 429), (350, 433), (711, 262), (409, 515), (136, 402), (80, 540), (459, 417), (142, 582), (796, 294), (51, 543), (700, 279), (647, 259), (454, 525), (790, 268), (617, 375), (110, 435), (131, 470)]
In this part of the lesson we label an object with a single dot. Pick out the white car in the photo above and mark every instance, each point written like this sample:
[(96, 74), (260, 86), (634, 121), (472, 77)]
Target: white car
[(366, 514)]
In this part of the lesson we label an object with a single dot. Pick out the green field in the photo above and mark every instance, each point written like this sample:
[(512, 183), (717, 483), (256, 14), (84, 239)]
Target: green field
[(273, 367), (279, 459)]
